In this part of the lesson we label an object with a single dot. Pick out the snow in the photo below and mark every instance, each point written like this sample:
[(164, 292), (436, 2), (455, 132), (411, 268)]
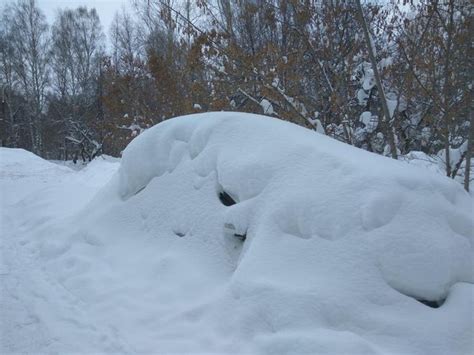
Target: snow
[(385, 63), (317, 124), (367, 79), (362, 97), (437, 163), (267, 107), (370, 121), (136, 257), (392, 106), (455, 154)]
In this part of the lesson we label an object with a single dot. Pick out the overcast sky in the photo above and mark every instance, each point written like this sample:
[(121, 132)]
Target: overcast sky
[(105, 8)]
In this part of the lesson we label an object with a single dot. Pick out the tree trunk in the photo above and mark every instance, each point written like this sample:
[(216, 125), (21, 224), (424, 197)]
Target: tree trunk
[(446, 87), (467, 171), (386, 119)]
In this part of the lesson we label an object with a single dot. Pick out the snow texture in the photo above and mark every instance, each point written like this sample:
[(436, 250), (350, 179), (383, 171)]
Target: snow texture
[(362, 97), (370, 122), (339, 245), (267, 107)]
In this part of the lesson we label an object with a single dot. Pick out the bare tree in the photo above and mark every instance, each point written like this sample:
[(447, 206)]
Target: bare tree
[(28, 31), (386, 112), (77, 48), (469, 150), (9, 102)]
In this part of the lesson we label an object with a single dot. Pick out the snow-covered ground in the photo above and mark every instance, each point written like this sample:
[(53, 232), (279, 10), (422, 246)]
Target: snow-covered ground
[(327, 249)]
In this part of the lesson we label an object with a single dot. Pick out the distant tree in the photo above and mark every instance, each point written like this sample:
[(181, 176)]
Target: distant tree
[(388, 77), (25, 64), (435, 44), (77, 51)]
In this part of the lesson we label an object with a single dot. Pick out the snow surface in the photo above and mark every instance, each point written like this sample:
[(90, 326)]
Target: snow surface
[(267, 107), (135, 258)]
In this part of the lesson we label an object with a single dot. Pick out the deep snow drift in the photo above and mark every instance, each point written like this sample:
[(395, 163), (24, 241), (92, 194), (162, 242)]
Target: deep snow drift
[(340, 246)]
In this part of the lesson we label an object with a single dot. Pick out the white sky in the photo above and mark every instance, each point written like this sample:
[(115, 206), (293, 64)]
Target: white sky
[(105, 8)]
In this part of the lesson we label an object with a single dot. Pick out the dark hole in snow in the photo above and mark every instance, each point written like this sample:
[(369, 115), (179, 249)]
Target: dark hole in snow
[(432, 304), (140, 190), (429, 303), (230, 229), (179, 234), (226, 199), (242, 237)]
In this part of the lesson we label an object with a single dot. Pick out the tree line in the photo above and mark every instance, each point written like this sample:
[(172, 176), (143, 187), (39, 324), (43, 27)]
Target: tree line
[(389, 78)]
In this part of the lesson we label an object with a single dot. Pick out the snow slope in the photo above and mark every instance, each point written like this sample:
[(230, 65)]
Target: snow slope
[(38, 314), (340, 243)]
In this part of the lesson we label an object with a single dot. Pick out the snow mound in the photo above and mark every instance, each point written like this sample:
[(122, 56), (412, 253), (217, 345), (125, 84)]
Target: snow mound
[(239, 233), (21, 165), (290, 181)]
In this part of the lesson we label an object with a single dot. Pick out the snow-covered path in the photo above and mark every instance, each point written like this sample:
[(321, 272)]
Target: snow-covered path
[(35, 307)]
